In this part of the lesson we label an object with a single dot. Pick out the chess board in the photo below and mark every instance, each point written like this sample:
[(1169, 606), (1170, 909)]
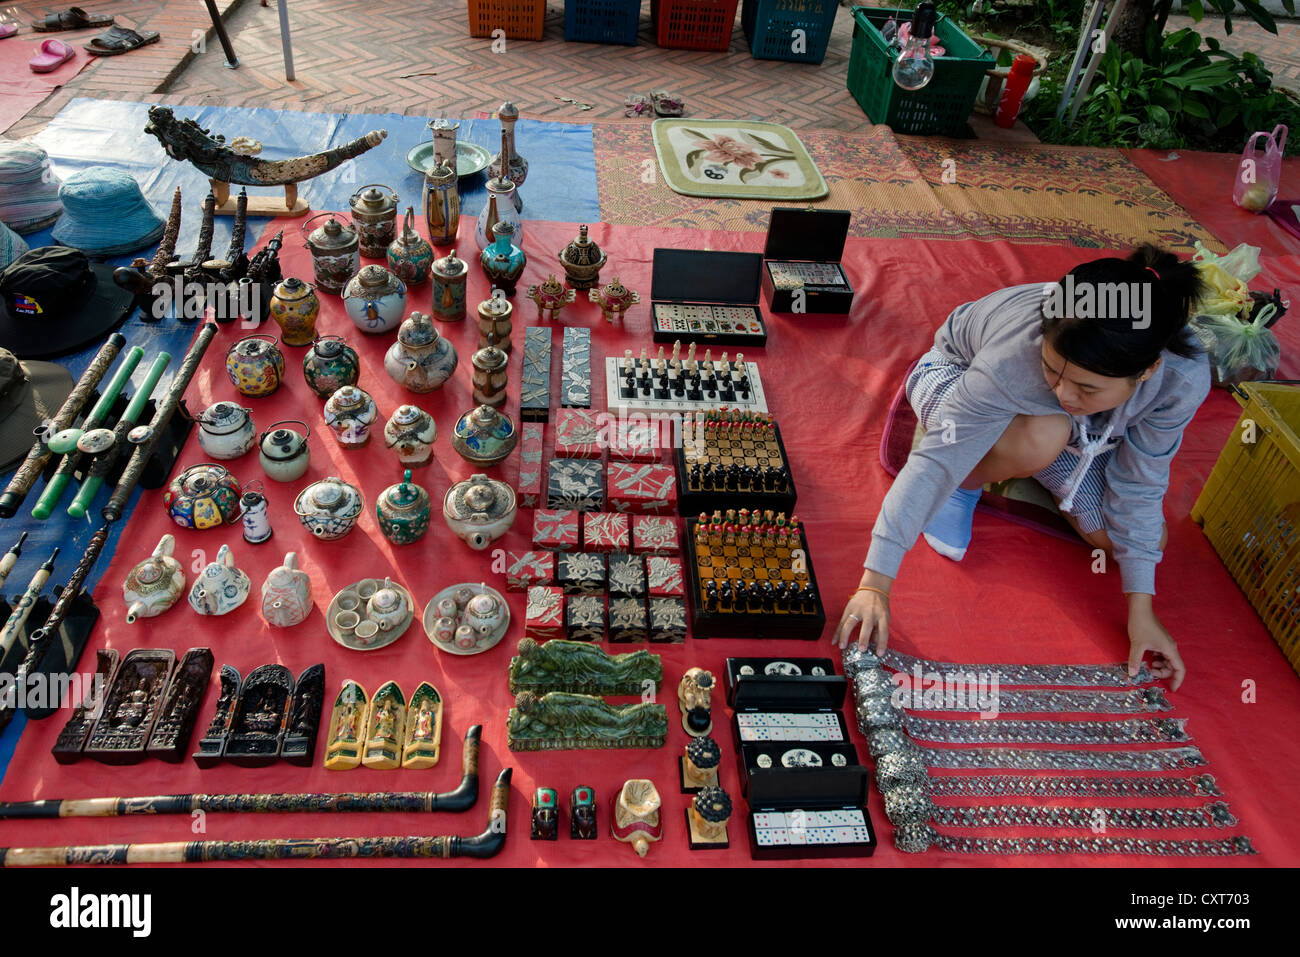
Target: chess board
[(722, 448), (652, 392), (788, 565)]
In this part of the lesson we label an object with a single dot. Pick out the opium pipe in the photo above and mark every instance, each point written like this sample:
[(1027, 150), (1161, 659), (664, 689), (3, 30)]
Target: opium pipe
[(39, 454), (484, 845), (10, 558), (14, 626)]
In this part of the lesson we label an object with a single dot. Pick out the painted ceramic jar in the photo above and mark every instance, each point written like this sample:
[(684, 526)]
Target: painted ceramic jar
[(155, 584), (403, 511), (490, 375), (329, 508), (387, 607), (614, 299), (484, 436), (499, 208), (420, 359), (286, 594), (335, 254), (203, 496), (582, 260), (330, 365), (411, 433), (442, 203), (284, 453), (255, 366), (503, 261), (551, 297), (515, 167), (349, 413), (375, 300), (479, 510), (221, 587), (226, 430), (295, 308), (449, 276), (410, 257), (374, 213)]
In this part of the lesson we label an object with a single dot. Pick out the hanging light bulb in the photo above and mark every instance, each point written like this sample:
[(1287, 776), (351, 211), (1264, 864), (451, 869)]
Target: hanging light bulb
[(914, 68)]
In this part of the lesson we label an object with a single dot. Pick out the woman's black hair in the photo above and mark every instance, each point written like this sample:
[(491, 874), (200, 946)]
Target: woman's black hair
[(1116, 316)]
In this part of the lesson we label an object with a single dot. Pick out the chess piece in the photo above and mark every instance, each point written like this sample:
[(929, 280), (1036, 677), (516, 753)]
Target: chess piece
[(693, 698), (707, 818), (699, 765), (582, 813), (546, 815), (636, 815)]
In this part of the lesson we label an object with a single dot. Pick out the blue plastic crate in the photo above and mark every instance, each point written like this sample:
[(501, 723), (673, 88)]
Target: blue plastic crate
[(602, 21), (770, 24)]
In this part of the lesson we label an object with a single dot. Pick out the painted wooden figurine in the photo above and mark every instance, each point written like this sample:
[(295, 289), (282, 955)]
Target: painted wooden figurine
[(693, 694), (635, 819), (582, 813), (551, 297), (614, 299), (707, 818), (699, 765), (347, 727), (385, 728), (423, 728), (546, 815)]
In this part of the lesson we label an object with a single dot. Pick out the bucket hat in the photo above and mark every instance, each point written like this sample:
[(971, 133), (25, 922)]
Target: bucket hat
[(30, 393), (29, 190), (53, 300), (106, 214), (11, 245)]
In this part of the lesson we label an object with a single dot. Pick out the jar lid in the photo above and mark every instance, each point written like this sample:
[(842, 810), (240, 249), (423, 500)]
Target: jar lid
[(375, 277), (375, 200), (225, 414), (480, 495), (348, 398), (494, 307), (334, 235), (292, 288), (386, 600), (282, 444), (326, 493), (552, 286), (449, 265), (417, 330), (408, 414), (489, 359), (405, 494), (254, 346), (329, 346)]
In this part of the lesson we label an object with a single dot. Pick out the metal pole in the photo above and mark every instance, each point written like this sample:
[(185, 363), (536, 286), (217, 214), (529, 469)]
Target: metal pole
[(231, 60), (286, 42)]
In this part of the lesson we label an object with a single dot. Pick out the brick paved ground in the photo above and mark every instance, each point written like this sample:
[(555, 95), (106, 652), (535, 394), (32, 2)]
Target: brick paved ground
[(1280, 53)]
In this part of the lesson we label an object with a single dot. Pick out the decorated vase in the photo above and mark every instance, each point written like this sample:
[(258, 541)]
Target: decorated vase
[(295, 308), (255, 366)]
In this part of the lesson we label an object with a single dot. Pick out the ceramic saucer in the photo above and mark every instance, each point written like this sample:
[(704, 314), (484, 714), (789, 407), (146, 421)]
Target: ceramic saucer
[(367, 587), (470, 158)]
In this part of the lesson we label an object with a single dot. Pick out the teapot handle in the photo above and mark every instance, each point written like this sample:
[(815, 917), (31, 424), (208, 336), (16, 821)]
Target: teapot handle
[(303, 228), (271, 428)]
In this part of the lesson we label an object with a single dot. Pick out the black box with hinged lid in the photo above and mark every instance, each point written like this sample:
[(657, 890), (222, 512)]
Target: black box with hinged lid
[(707, 296), (803, 254), (781, 684)]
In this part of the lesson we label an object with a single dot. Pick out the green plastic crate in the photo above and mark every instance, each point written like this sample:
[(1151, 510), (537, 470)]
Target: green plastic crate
[(942, 107)]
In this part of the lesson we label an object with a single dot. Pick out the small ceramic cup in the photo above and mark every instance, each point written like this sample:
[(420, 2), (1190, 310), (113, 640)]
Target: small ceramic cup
[(349, 603), (465, 638), (367, 630), (366, 589), (463, 595), (444, 629), (447, 608), (346, 621)]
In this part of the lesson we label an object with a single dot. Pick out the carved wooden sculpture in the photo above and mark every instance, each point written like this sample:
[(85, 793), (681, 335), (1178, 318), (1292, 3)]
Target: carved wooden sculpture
[(132, 707), (347, 727), (635, 819), (180, 706)]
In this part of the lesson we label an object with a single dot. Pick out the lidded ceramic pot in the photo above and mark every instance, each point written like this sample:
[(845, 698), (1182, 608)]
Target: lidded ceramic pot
[(221, 587), (329, 508), (420, 359), (155, 584), (551, 297), (403, 511), (449, 277), (499, 208), (411, 432), (330, 365), (375, 300), (582, 260), (494, 326), (283, 453), (503, 261), (410, 257), (349, 413), (490, 375), (226, 430), (255, 366), (484, 436), (335, 254), (479, 510), (374, 212), (286, 594), (442, 202), (295, 308), (387, 607), (203, 496)]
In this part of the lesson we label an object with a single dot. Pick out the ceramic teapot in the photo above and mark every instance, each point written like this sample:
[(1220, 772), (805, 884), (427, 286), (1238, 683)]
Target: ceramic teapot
[(221, 587), (329, 508), (286, 594), (387, 607), (203, 496), (485, 613), (375, 299), (295, 308), (484, 436), (155, 584), (255, 366), (411, 433), (335, 253), (284, 453), (226, 430), (330, 365), (349, 413), (479, 510), (420, 359), (403, 511), (410, 257)]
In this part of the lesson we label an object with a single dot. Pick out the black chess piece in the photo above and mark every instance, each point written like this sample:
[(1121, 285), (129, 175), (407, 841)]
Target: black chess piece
[(711, 597), (769, 596)]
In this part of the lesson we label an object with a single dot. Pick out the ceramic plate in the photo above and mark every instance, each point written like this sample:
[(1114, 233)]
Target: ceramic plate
[(470, 158), (382, 639), (431, 617)]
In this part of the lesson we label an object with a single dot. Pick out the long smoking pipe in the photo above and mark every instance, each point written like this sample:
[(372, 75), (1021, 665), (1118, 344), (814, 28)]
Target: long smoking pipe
[(484, 845), (461, 799), (14, 626), (162, 416), (65, 442), (28, 472), (10, 558)]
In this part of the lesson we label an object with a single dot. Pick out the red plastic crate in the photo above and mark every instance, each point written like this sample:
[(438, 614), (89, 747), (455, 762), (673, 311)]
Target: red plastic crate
[(694, 24), (521, 19)]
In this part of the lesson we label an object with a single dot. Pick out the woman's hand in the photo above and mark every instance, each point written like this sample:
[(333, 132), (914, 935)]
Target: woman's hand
[(1145, 633), (867, 613)]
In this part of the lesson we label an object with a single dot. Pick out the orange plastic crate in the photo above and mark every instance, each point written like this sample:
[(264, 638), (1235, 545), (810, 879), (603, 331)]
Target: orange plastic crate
[(694, 24), (520, 19)]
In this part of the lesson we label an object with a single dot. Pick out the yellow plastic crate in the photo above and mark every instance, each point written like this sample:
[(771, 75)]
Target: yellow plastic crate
[(1250, 508)]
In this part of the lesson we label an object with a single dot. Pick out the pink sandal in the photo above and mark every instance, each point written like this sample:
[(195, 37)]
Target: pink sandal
[(7, 30), (54, 53)]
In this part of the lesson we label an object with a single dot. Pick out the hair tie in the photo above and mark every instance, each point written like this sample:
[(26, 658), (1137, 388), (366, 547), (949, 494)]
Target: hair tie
[(1153, 272)]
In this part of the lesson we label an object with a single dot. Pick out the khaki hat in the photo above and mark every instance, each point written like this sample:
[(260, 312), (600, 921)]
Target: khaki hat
[(30, 394)]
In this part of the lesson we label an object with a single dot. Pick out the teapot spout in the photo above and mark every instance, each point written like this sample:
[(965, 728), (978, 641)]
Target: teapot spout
[(136, 609)]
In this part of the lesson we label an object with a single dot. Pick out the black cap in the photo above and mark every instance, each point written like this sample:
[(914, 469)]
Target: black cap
[(56, 301)]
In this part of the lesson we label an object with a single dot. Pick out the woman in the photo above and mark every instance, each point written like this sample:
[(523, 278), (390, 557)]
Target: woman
[(1086, 385)]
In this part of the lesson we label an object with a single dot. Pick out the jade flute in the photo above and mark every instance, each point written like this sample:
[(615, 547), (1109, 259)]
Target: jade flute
[(486, 844), (14, 626), (103, 462), (461, 799), (27, 473), (162, 415), (10, 558), (65, 443)]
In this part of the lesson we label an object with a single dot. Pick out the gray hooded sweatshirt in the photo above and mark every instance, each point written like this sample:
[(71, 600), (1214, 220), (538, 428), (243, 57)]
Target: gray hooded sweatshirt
[(998, 341)]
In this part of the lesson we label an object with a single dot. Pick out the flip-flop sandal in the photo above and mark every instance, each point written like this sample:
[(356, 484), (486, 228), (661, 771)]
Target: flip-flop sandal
[(73, 18), (120, 40), (54, 53), (667, 104), (7, 30)]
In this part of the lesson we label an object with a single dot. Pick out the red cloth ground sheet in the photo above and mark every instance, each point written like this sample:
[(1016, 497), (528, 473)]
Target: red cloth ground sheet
[(1019, 596)]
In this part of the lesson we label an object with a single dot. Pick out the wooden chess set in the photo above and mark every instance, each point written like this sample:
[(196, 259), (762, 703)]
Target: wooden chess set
[(750, 576), (726, 457)]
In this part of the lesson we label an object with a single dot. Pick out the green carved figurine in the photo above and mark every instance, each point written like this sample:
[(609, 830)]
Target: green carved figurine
[(579, 666), (559, 721)]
